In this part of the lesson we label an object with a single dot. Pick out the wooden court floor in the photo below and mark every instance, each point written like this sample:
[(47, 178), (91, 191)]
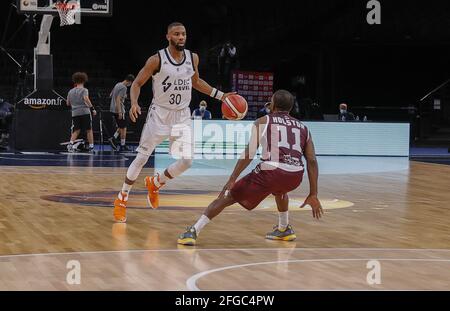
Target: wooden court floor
[(50, 216)]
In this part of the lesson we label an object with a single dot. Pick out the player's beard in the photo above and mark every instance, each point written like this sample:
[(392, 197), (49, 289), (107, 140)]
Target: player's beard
[(177, 46)]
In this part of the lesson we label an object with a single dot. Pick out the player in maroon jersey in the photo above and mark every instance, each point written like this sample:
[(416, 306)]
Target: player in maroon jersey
[(285, 140)]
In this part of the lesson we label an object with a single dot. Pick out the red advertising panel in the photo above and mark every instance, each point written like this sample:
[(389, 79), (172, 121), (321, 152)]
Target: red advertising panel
[(255, 87)]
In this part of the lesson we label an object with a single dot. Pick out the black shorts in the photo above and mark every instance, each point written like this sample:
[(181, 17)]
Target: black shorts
[(83, 123), (123, 123)]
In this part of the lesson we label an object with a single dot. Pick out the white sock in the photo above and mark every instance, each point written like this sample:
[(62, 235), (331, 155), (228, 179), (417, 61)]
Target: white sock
[(122, 142), (116, 135), (201, 223), (126, 188), (161, 180), (283, 220), (91, 145)]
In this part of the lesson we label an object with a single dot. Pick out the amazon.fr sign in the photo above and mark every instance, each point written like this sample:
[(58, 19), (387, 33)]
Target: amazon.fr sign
[(42, 101)]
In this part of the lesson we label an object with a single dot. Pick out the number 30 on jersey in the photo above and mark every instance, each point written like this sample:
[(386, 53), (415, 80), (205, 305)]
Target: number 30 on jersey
[(175, 99)]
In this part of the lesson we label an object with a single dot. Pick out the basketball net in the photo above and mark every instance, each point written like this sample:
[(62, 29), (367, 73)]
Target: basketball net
[(67, 11)]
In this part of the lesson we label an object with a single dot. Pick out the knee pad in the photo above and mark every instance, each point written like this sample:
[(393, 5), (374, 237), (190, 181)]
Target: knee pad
[(179, 167), (136, 167)]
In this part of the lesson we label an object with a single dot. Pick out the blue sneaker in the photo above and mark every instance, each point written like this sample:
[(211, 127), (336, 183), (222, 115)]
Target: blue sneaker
[(189, 237), (286, 235)]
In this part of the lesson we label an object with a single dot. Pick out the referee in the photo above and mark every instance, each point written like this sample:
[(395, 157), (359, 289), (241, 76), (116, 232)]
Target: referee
[(118, 96), (78, 99)]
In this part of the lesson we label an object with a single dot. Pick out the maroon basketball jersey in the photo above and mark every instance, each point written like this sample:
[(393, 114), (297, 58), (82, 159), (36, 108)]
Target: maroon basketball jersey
[(283, 140)]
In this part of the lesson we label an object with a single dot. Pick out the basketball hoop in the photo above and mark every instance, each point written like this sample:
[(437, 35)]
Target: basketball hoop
[(67, 11)]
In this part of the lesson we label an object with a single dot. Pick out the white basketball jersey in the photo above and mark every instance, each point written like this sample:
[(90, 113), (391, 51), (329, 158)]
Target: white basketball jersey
[(172, 85)]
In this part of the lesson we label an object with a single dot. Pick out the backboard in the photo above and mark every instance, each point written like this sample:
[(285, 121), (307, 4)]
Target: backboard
[(88, 7)]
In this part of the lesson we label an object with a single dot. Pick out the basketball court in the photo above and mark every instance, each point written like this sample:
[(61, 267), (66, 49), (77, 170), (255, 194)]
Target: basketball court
[(384, 213), (396, 217)]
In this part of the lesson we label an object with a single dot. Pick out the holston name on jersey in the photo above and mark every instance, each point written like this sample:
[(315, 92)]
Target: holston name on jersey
[(287, 122)]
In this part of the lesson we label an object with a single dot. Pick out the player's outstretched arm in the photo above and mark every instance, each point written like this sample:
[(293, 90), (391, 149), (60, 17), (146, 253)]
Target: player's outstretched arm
[(149, 69), (203, 87), (313, 176)]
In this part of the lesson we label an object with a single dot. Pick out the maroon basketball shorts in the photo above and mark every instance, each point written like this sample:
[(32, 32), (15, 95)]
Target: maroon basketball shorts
[(259, 184)]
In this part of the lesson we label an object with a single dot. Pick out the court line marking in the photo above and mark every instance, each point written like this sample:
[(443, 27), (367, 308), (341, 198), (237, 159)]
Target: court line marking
[(76, 170), (72, 174), (66, 160), (187, 250), (102, 173), (191, 283)]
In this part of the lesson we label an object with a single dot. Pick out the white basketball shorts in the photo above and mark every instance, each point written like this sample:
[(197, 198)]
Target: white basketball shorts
[(176, 125)]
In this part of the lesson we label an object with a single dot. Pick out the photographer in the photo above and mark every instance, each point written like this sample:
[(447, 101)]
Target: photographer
[(227, 62)]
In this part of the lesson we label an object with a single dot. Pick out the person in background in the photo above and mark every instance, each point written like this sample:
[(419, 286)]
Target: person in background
[(227, 62), (117, 108), (82, 110), (201, 113), (6, 115), (344, 114), (264, 111)]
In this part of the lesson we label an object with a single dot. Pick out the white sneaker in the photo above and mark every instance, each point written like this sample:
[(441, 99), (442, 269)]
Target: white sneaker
[(70, 148)]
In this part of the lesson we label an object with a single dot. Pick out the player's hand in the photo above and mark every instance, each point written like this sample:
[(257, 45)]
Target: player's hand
[(135, 112), (227, 95), (121, 116), (226, 189), (316, 207), (94, 112)]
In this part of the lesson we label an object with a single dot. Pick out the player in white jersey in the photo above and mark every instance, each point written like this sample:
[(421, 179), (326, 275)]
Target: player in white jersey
[(174, 72)]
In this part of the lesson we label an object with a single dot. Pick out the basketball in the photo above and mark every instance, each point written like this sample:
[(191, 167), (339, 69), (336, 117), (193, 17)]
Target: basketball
[(234, 107)]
